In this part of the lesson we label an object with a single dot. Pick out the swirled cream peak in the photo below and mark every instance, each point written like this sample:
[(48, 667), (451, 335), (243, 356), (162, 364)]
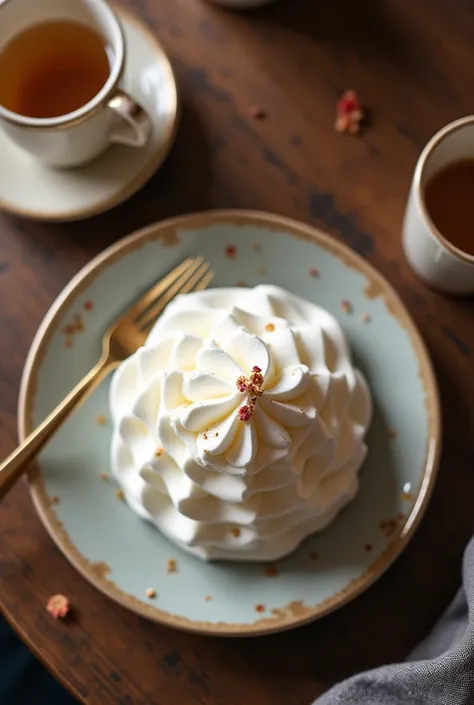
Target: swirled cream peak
[(239, 427)]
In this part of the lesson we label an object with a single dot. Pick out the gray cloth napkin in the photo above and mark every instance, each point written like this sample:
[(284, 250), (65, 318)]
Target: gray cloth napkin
[(440, 671)]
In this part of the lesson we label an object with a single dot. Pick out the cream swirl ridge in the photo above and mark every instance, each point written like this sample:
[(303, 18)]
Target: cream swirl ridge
[(239, 427)]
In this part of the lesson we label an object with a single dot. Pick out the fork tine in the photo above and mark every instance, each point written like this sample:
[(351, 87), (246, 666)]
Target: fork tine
[(170, 292), (197, 282), (145, 301), (205, 281)]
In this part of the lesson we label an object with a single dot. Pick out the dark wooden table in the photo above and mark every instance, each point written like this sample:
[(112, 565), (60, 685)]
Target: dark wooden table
[(412, 63)]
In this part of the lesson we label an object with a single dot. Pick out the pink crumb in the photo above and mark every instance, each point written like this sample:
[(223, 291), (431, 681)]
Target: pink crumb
[(58, 606)]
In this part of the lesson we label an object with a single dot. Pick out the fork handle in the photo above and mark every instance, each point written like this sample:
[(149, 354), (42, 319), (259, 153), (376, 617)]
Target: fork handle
[(13, 467)]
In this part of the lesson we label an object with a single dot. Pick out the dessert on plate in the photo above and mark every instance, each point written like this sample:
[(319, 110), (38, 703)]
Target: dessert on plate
[(239, 427)]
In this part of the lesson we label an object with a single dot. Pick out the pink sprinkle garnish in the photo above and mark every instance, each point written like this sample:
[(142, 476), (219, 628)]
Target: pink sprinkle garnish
[(245, 413), (242, 388), (58, 606), (231, 251), (256, 369)]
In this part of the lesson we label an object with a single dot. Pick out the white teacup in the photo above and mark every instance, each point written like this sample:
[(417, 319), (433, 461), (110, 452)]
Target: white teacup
[(436, 260), (111, 116)]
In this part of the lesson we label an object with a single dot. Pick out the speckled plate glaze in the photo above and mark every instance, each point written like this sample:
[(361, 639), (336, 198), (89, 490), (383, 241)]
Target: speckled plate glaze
[(31, 190), (124, 556)]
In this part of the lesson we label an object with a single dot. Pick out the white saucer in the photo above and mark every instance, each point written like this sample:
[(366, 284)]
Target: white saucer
[(31, 190)]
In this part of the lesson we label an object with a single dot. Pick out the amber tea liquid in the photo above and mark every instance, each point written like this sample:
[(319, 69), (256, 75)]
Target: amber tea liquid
[(52, 69), (449, 199)]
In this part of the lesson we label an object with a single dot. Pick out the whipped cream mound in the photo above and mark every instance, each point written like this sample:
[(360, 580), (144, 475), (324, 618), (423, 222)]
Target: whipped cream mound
[(239, 426)]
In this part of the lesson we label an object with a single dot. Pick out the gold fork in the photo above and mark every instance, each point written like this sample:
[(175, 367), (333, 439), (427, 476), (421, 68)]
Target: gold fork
[(120, 340)]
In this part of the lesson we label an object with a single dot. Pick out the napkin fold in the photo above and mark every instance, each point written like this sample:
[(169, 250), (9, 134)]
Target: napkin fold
[(440, 671)]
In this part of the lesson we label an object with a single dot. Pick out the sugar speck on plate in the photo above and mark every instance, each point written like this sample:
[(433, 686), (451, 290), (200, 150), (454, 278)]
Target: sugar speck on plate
[(172, 565), (231, 251), (346, 306), (271, 571)]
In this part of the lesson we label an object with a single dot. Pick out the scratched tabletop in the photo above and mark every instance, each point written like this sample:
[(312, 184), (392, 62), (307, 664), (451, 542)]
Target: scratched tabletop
[(411, 62)]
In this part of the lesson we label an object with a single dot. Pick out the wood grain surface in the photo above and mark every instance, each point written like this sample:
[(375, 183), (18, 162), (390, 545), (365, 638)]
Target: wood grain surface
[(412, 64)]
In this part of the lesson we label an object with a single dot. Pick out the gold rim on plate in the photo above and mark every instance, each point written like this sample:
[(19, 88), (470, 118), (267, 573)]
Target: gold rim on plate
[(296, 613)]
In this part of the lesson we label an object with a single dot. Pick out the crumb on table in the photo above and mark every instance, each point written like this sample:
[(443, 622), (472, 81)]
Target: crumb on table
[(207, 598), (260, 608), (257, 113), (104, 476), (58, 606), (120, 495), (151, 593), (349, 113), (101, 419)]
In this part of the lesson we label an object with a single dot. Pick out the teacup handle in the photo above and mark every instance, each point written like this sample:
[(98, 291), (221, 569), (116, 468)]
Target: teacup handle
[(136, 124)]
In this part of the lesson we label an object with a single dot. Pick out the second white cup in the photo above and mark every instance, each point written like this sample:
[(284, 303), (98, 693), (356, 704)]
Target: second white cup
[(434, 258)]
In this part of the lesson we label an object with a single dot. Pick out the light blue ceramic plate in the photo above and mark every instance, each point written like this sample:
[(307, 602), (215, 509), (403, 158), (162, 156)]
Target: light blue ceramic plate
[(122, 555)]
